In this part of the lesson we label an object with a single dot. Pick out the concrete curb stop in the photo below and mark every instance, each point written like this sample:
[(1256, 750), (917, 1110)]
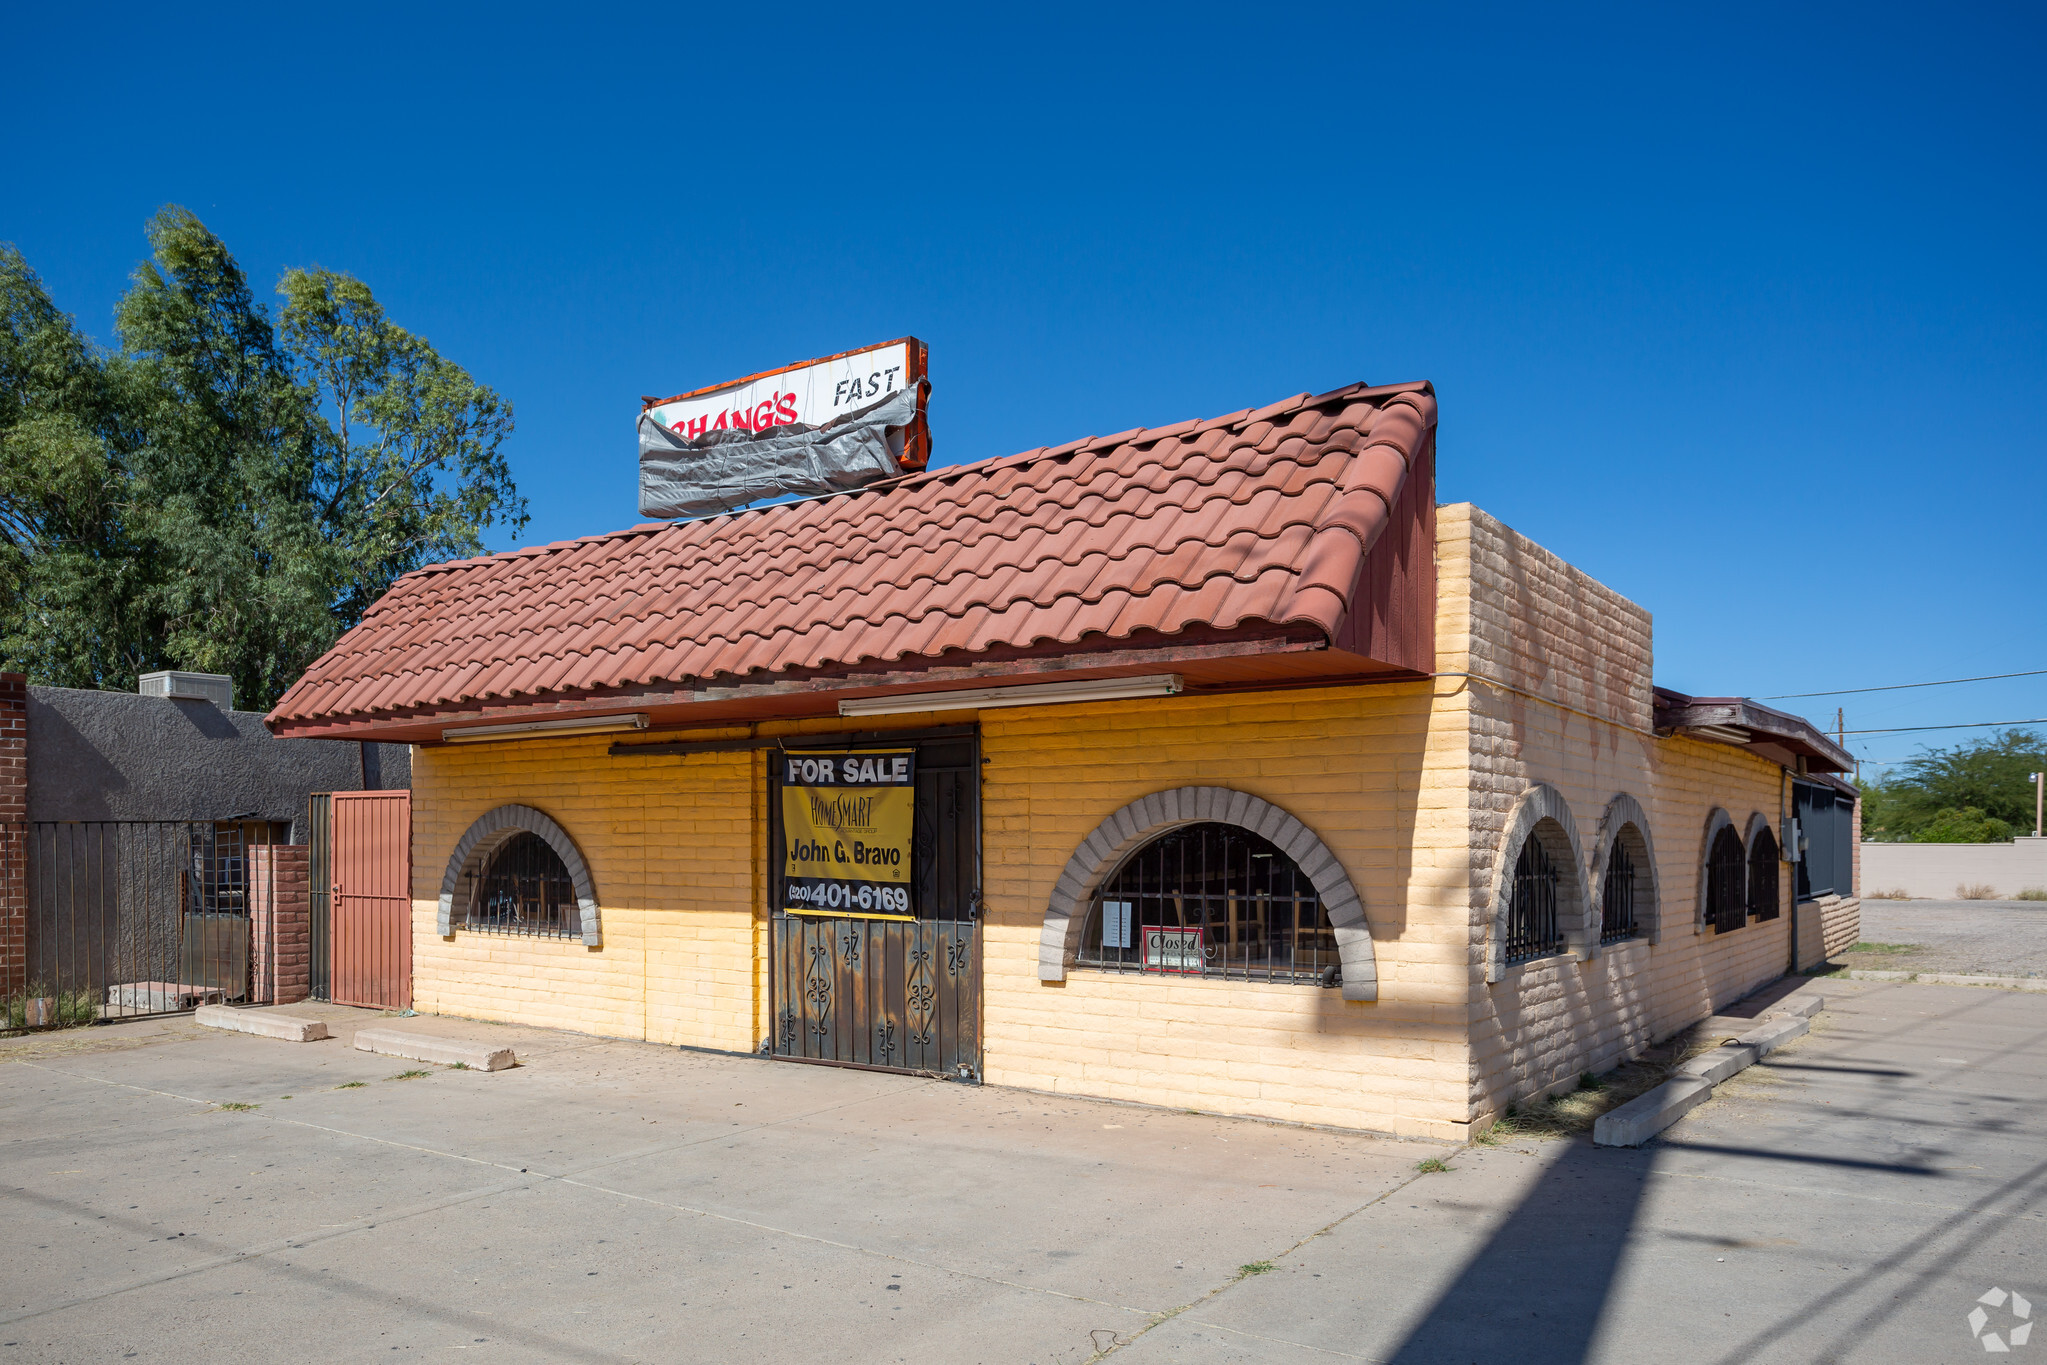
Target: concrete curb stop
[(284, 1026), (1643, 1117), (425, 1047)]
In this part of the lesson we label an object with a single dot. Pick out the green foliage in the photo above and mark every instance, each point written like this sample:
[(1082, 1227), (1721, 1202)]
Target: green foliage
[(1433, 1165), (56, 1009), (1964, 793), (1967, 826), (218, 494)]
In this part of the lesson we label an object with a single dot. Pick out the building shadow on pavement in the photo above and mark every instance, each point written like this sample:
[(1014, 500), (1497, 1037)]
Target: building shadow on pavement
[(1536, 1291)]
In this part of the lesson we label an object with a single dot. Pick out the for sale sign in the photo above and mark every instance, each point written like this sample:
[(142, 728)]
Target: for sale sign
[(813, 393), (847, 819)]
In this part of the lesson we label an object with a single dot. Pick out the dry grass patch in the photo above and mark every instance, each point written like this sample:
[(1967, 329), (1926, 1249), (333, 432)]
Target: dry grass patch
[(1574, 1112)]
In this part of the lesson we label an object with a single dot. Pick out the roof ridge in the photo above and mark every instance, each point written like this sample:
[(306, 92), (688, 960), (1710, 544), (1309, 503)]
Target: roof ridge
[(945, 473)]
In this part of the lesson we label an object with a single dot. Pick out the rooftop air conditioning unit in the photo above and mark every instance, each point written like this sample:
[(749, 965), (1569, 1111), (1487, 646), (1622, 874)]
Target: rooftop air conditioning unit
[(217, 688)]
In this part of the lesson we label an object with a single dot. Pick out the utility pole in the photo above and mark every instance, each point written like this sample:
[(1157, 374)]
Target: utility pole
[(1841, 727), (2039, 795)]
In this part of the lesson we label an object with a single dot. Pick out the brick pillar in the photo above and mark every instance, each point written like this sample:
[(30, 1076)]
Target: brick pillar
[(281, 921), (13, 833)]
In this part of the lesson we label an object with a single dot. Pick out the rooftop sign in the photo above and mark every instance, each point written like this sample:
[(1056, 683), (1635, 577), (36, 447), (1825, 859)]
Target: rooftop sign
[(817, 427)]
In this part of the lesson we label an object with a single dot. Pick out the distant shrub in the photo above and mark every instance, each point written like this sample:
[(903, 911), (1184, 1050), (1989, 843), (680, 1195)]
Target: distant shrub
[(2033, 893), (1975, 891), (1968, 825)]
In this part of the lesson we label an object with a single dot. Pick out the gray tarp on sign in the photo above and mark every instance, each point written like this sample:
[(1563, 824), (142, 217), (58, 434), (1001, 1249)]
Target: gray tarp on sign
[(721, 470)]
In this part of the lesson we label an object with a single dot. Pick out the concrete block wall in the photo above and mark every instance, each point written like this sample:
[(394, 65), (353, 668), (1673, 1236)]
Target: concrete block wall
[(281, 921), (1941, 871), (1562, 695), (13, 833)]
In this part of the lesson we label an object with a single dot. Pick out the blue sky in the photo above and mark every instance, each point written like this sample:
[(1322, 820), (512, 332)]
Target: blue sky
[(1739, 310)]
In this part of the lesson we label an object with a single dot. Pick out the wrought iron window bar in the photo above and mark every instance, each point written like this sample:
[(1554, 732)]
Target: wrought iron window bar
[(525, 890), (1532, 928), (1726, 883), (1617, 908), (1762, 876), (1211, 900)]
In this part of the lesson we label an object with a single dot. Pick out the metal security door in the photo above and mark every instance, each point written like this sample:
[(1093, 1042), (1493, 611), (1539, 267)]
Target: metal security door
[(889, 994), (372, 899)]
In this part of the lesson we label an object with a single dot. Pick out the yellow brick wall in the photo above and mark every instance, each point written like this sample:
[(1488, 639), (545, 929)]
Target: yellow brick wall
[(1376, 772), (671, 847)]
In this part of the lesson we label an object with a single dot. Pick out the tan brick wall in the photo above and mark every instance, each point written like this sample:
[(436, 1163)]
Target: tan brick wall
[(1571, 705), (1841, 924)]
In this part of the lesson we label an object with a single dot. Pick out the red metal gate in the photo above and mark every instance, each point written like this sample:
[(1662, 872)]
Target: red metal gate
[(372, 869)]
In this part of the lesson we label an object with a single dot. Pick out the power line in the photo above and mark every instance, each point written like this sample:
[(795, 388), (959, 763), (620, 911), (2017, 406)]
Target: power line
[(1974, 725), (1899, 687)]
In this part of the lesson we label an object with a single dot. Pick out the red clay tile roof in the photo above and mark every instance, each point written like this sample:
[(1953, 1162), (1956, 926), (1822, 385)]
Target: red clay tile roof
[(1258, 517)]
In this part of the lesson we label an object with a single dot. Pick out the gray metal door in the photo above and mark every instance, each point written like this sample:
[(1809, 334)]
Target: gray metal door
[(890, 994)]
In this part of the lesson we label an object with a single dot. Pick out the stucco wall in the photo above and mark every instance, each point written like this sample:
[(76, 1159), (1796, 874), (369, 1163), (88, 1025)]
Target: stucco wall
[(120, 756), (1941, 871)]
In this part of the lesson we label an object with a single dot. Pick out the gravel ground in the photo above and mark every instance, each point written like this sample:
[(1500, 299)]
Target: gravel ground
[(1984, 938)]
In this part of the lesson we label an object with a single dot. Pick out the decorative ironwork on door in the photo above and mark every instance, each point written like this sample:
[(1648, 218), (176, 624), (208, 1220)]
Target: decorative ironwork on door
[(901, 995)]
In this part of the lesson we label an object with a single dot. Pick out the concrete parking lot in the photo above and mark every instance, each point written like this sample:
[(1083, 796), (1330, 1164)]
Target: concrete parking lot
[(1974, 938), (1850, 1199)]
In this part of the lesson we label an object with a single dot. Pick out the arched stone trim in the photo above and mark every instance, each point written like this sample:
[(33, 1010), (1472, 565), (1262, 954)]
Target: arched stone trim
[(483, 838), (1625, 813), (1541, 813), (1757, 824), (1144, 819), (1715, 822)]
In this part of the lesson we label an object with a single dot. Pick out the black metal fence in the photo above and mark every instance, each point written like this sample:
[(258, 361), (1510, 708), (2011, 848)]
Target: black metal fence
[(128, 918), (320, 896)]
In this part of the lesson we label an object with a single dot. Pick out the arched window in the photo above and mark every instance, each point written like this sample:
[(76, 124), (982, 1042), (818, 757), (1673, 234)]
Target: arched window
[(1617, 910), (1532, 927), (1726, 890), (1210, 899), (1762, 875), (525, 888)]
